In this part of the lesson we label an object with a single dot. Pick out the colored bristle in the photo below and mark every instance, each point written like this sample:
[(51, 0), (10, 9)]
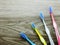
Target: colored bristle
[(33, 25), (50, 8), (23, 35), (41, 15)]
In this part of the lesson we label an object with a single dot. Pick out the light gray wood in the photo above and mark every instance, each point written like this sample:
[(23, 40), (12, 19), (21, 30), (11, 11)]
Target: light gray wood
[(17, 15), (16, 8)]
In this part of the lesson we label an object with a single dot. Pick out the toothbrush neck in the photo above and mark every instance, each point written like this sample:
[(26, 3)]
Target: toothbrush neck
[(30, 41), (44, 22), (54, 25)]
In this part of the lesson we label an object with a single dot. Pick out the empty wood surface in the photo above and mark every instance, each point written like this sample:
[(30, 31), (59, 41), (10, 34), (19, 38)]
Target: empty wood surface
[(17, 15), (16, 8)]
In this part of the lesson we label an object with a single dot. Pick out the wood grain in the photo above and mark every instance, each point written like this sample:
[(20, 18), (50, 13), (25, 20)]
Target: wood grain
[(11, 27), (16, 8), (17, 15)]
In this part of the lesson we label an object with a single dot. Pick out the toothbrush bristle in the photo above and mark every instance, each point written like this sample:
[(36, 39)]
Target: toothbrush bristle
[(33, 25), (50, 9), (23, 35), (41, 15)]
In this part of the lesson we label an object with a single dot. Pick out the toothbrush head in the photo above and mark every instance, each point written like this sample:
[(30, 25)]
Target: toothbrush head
[(33, 25), (41, 15), (23, 35), (50, 8)]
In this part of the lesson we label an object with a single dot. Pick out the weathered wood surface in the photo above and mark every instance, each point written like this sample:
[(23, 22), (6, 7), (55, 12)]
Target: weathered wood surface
[(11, 27), (16, 8), (17, 15)]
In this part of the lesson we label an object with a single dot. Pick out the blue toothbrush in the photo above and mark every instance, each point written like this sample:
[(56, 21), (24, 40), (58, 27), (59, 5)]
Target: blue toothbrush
[(24, 36), (46, 29)]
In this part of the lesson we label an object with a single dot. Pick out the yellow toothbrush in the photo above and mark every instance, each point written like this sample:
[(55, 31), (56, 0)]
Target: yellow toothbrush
[(38, 33)]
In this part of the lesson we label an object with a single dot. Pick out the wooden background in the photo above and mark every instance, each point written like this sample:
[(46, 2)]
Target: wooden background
[(17, 15)]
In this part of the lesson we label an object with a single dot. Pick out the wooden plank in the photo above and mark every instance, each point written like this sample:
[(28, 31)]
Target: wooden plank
[(11, 27), (16, 8), (17, 15)]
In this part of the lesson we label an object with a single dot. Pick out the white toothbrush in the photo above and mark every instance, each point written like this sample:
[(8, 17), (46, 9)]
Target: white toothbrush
[(46, 29)]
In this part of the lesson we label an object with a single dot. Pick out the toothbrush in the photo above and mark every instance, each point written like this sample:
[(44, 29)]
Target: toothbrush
[(38, 33), (46, 29), (55, 26), (24, 36)]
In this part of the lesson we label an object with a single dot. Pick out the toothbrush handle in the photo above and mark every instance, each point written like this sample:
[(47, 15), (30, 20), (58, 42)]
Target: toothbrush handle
[(57, 33), (56, 29), (51, 41), (54, 24), (59, 40), (38, 33), (48, 33), (50, 38), (30, 42), (41, 38)]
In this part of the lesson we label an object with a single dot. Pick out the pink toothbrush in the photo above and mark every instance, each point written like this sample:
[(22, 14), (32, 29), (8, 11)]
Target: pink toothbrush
[(55, 26)]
